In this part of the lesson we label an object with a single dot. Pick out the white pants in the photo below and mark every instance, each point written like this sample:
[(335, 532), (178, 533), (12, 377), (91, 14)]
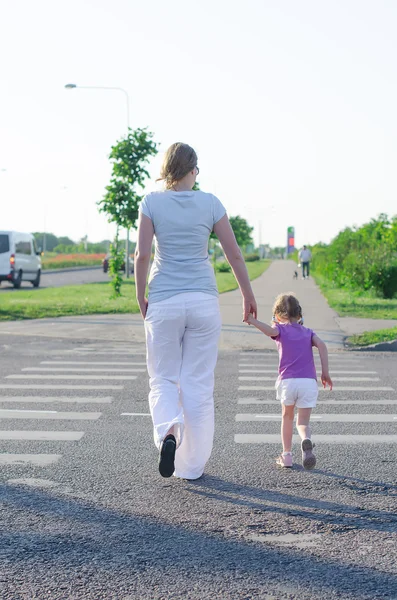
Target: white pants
[(182, 336)]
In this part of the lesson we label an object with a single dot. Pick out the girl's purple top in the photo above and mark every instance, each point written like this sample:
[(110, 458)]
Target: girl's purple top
[(295, 349)]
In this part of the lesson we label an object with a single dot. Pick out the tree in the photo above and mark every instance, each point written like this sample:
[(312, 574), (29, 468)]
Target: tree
[(130, 157), (65, 241), (242, 231), (46, 241)]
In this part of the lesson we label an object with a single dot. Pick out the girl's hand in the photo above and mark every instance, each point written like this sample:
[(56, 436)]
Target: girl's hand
[(143, 306), (249, 308), (250, 319), (326, 379)]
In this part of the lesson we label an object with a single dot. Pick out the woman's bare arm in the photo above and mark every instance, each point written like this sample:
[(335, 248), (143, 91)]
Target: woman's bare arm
[(225, 234), (143, 252)]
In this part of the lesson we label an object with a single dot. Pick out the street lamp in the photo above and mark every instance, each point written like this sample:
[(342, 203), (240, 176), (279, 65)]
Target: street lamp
[(72, 86)]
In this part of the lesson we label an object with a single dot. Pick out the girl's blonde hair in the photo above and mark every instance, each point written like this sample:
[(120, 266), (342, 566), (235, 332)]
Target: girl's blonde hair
[(178, 161), (287, 307)]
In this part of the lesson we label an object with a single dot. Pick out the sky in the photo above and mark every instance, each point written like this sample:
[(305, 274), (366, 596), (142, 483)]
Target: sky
[(291, 107)]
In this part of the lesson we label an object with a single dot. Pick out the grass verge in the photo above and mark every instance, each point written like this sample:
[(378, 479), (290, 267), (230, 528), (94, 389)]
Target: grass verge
[(89, 299), (348, 303), (374, 337)]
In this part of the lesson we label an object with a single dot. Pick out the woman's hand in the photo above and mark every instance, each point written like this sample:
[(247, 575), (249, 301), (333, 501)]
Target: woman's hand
[(249, 307), (143, 306)]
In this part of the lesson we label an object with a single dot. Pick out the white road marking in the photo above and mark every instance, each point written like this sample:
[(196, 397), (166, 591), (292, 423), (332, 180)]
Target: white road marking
[(110, 353), (80, 362), (62, 399), (275, 371), (39, 460), (43, 387), (83, 370), (338, 389), (74, 377), (326, 418), (259, 438), (135, 414), (58, 436), (48, 414), (255, 401), (246, 378)]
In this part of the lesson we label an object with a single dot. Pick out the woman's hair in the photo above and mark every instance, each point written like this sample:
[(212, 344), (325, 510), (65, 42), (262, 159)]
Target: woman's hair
[(178, 161), (287, 306)]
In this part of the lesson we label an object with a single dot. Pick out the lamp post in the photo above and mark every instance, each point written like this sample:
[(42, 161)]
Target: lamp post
[(72, 86)]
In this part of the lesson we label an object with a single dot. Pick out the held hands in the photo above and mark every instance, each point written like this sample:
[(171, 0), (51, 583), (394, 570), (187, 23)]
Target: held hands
[(326, 379), (249, 308), (250, 319)]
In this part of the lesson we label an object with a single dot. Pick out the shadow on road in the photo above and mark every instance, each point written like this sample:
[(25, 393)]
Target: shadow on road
[(61, 536)]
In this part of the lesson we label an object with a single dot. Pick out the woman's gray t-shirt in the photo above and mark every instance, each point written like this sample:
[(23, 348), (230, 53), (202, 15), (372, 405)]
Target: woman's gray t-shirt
[(183, 222)]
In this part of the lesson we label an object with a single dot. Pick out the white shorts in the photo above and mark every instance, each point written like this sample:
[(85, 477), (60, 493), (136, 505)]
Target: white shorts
[(302, 393)]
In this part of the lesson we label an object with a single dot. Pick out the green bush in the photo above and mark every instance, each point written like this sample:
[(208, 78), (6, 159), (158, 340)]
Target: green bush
[(223, 267), (362, 259), (252, 257)]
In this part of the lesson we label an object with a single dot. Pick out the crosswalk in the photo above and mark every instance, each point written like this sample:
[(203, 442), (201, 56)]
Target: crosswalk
[(356, 391), (78, 382)]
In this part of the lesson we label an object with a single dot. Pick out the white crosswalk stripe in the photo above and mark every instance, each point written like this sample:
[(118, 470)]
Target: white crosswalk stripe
[(6, 413), (60, 399), (69, 373), (337, 389), (81, 370), (45, 387), (96, 377), (334, 372), (259, 438), (93, 363), (38, 460), (257, 401), (25, 435), (247, 378), (326, 418)]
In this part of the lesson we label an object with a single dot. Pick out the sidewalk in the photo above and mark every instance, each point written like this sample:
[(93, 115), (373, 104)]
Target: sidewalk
[(277, 279), (235, 334)]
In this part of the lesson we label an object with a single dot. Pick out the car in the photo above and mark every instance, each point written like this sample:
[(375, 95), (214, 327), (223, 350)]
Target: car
[(19, 258), (105, 263)]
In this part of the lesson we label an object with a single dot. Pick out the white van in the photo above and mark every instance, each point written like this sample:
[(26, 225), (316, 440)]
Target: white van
[(19, 258)]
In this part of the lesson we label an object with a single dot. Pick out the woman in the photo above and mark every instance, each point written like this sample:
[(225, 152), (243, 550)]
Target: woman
[(182, 316)]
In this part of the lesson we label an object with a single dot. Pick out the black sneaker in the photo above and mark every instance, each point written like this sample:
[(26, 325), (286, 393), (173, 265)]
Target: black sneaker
[(167, 456)]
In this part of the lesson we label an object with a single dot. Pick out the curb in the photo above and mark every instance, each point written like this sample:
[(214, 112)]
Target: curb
[(67, 270), (379, 347)]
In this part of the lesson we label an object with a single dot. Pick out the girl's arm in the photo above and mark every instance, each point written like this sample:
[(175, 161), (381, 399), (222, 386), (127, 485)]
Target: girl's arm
[(143, 252), (266, 329), (225, 234), (323, 352)]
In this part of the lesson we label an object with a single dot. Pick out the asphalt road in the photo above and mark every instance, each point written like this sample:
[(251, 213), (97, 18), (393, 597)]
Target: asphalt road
[(98, 522), (49, 279)]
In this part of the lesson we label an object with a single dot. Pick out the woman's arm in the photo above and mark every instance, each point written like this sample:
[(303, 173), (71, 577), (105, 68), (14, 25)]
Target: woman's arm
[(269, 330), (323, 352), (225, 234), (143, 252)]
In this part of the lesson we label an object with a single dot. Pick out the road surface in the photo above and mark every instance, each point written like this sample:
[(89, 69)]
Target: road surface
[(59, 279), (85, 514)]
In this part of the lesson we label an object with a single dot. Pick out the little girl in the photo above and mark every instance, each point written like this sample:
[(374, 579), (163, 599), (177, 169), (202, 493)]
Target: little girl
[(297, 380)]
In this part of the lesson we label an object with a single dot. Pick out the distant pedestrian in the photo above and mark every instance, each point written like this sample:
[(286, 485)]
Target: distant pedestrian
[(297, 381), (305, 257), (182, 316)]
